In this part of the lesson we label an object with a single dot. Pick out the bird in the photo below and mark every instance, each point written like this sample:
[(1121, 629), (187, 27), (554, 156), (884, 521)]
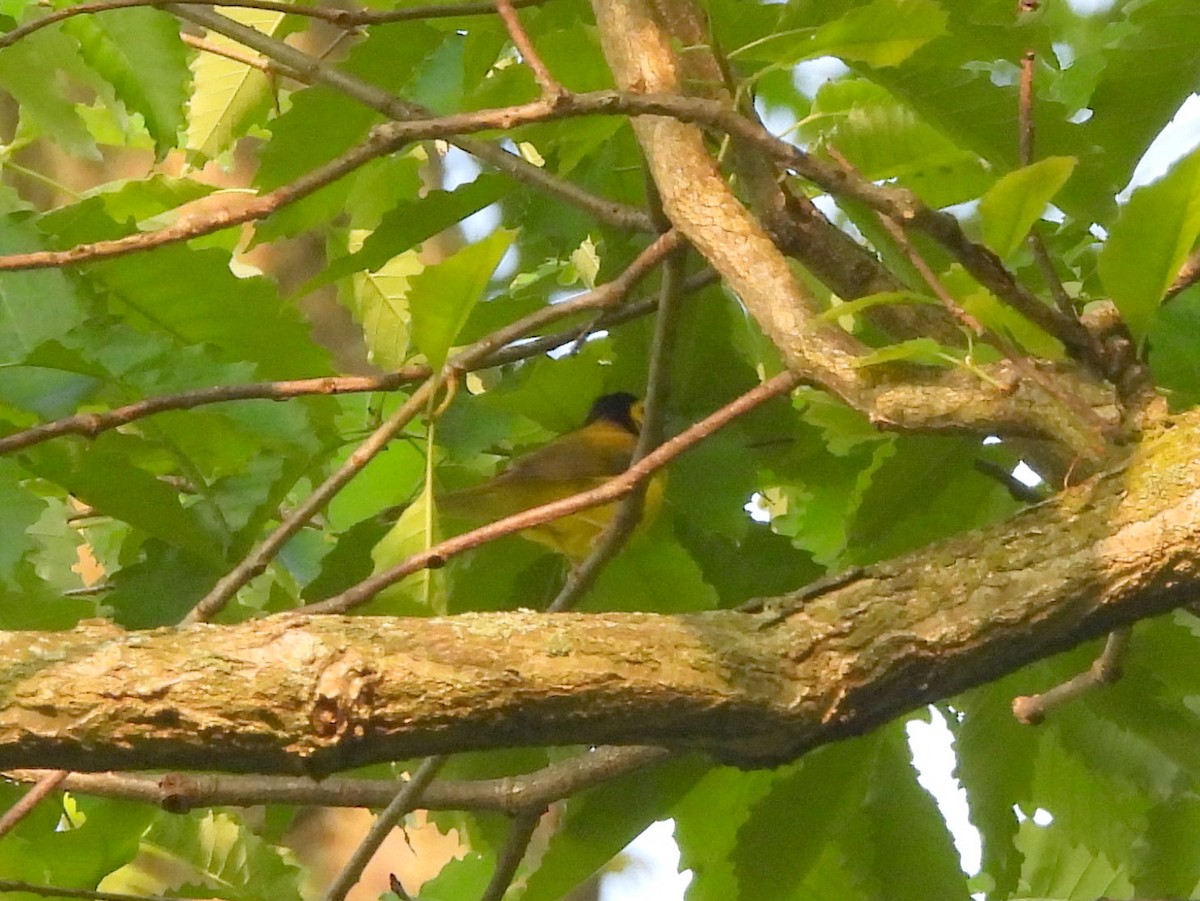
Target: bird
[(573, 462)]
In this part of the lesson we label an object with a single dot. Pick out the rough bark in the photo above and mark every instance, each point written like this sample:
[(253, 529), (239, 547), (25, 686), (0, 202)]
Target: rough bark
[(315, 694)]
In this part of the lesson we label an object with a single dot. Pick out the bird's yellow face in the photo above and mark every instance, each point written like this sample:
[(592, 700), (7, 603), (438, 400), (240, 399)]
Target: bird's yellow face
[(574, 462)]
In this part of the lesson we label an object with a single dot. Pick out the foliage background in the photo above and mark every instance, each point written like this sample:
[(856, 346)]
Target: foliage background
[(115, 126)]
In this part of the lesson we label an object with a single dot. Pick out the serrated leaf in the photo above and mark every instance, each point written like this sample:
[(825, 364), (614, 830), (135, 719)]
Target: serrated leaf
[(380, 302), (29, 71), (227, 95), (1011, 206), (910, 853), (104, 476), (21, 509), (886, 138), (707, 821), (600, 822), (244, 316), (139, 52), (212, 851), (410, 535), (1149, 242), (411, 223), (882, 33), (35, 306), (320, 123), (441, 298)]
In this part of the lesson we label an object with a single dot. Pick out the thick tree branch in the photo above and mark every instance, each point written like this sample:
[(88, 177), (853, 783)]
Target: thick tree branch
[(312, 695)]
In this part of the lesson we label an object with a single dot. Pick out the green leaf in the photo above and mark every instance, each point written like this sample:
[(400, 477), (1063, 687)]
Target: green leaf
[(927, 490), (139, 52), (910, 854), (881, 33), (883, 298), (379, 301), (600, 822), (244, 316), (467, 877), (886, 138), (409, 224), (1149, 242), (29, 71), (214, 851), (916, 350), (35, 305), (442, 297), (104, 475), (321, 124), (787, 831), (707, 821), (227, 95), (1011, 207), (21, 510)]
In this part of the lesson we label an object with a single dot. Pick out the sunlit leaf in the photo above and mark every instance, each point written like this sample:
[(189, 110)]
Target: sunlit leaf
[(1150, 241), (1011, 206)]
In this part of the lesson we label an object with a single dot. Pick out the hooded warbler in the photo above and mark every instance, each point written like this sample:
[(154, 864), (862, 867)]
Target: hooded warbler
[(584, 458)]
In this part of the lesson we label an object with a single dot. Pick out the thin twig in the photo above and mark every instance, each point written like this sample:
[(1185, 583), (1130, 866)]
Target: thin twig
[(604, 298), (404, 802), (1106, 669), (1189, 274), (343, 18), (181, 792), (256, 561), (1091, 424), (1026, 134), (520, 834), (267, 66), (618, 215), (611, 490), (44, 786), (258, 558), (53, 891), (617, 531), (378, 143), (92, 424), (512, 21)]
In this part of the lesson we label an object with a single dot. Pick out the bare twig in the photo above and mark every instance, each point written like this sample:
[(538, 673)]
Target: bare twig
[(267, 66), (92, 424), (617, 532), (404, 802), (54, 891), (520, 834), (256, 561), (611, 490), (181, 792), (343, 18), (1106, 669), (618, 215), (44, 786), (1025, 151), (1091, 425), (378, 144), (1189, 274), (520, 38)]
